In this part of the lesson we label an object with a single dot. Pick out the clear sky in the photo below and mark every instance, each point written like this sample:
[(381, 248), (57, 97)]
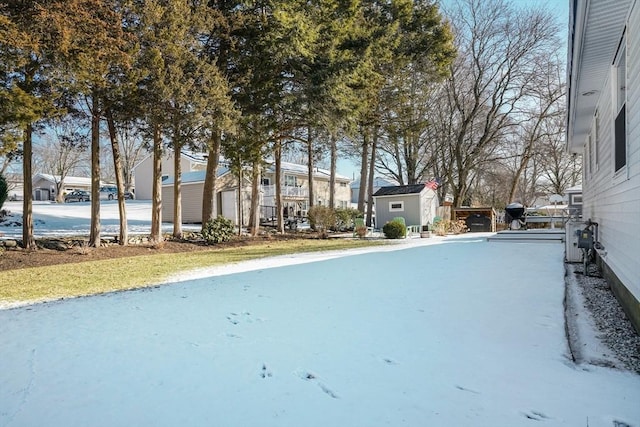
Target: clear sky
[(560, 8)]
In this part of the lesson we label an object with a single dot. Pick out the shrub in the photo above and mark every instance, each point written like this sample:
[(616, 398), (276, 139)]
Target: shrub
[(360, 231), (395, 229), (4, 190), (218, 230), (345, 218), (322, 218)]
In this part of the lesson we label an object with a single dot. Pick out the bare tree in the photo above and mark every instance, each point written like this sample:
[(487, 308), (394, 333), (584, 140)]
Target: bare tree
[(63, 153), (132, 149), (498, 46), (546, 94), (561, 170)]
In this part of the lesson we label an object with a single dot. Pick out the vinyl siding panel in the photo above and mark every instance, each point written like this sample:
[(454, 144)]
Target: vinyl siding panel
[(633, 96), (419, 209), (191, 196), (143, 174), (613, 200), (192, 200)]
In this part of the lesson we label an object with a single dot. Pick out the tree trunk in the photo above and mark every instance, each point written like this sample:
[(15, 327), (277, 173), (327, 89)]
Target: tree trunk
[(240, 213), (278, 184), (94, 235), (254, 211), (123, 239), (28, 242), (59, 188), (372, 165), (364, 160), (156, 196), (177, 193), (209, 196), (311, 167), (332, 175)]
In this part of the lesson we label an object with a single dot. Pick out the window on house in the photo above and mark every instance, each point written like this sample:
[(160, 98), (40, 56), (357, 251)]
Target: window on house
[(265, 181), (620, 79), (576, 199), (290, 180), (396, 206)]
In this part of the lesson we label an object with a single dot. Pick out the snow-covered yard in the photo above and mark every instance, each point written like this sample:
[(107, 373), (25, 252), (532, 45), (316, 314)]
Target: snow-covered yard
[(73, 219), (434, 332)]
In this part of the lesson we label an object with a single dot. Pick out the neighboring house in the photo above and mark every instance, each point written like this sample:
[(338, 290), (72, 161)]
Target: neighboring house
[(44, 185), (143, 171), (295, 193), (191, 191), (603, 125), (416, 203), (295, 189)]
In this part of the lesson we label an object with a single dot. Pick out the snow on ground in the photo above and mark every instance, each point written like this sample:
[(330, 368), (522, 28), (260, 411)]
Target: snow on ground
[(438, 332), (73, 219)]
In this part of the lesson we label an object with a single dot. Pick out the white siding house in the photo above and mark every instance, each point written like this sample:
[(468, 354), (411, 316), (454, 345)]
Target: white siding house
[(143, 171), (603, 125)]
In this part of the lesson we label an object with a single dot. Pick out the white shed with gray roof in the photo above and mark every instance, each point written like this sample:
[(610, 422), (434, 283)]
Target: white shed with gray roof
[(416, 203)]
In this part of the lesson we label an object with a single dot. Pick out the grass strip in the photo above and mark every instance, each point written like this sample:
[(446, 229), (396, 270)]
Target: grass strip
[(96, 277)]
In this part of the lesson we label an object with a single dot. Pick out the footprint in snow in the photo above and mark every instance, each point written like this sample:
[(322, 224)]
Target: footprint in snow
[(230, 335), (244, 317), (265, 372), (311, 377), (535, 415), (467, 389)]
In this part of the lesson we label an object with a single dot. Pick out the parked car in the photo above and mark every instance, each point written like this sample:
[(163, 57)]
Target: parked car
[(128, 195), (108, 192), (77, 196)]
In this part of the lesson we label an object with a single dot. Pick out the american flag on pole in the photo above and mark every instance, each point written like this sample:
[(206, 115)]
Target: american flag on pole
[(433, 183)]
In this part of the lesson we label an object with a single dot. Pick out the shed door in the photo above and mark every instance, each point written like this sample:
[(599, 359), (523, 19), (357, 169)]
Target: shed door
[(230, 205)]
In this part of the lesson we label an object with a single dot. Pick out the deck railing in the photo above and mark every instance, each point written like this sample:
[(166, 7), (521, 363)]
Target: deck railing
[(287, 191)]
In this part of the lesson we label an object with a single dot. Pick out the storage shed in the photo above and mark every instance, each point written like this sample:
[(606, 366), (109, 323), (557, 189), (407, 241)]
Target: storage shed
[(417, 204), (481, 219)]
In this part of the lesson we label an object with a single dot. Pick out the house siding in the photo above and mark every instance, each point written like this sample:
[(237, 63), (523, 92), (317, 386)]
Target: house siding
[(613, 199), (191, 196), (143, 174), (410, 213)]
